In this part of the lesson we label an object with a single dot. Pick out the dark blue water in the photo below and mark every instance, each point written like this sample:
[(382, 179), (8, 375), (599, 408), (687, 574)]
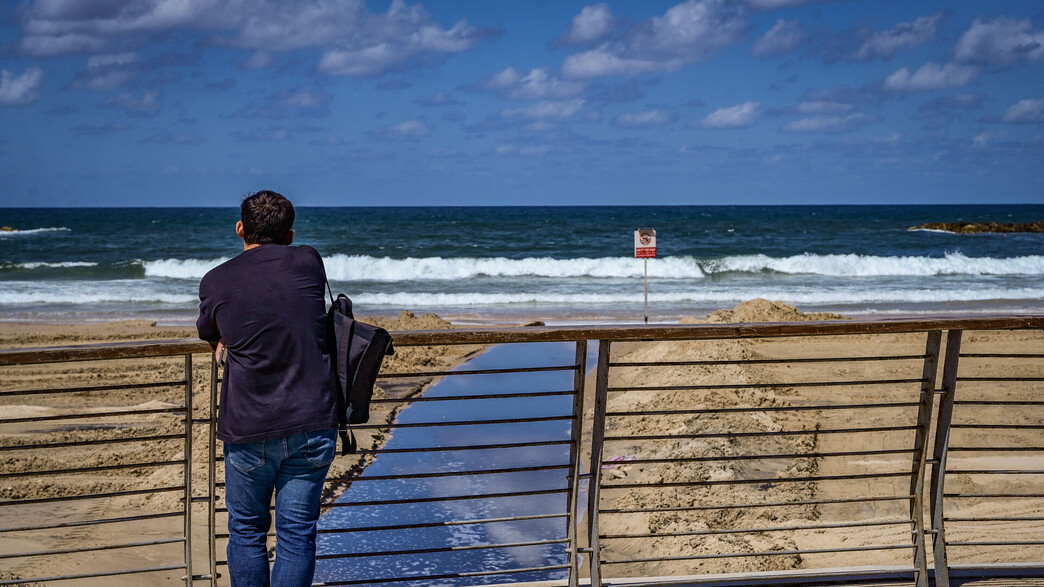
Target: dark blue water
[(557, 263), (414, 487)]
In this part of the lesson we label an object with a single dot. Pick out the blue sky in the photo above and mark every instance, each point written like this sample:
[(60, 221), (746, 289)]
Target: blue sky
[(346, 102)]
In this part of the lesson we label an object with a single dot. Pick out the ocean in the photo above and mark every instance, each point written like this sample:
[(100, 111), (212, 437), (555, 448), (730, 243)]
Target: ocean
[(476, 265)]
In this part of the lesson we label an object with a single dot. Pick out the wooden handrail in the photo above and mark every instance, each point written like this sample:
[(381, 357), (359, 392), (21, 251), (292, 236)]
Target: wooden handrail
[(494, 335)]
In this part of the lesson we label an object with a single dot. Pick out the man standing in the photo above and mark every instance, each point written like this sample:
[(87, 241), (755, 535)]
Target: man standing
[(278, 411)]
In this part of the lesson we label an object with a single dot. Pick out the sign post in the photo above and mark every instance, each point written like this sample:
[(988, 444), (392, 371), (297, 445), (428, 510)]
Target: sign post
[(645, 248)]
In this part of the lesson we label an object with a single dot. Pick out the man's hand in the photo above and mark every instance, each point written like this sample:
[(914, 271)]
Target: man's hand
[(219, 347)]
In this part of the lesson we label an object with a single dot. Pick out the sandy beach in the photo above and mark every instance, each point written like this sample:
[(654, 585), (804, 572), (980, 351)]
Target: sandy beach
[(165, 399)]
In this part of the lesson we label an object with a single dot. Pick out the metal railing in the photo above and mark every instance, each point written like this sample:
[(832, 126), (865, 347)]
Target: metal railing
[(532, 471)]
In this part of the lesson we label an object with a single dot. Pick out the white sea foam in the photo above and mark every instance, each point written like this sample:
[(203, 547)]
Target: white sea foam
[(701, 296), (873, 266), (180, 268), (140, 291), (53, 265), (361, 268), (91, 292), (31, 231), (366, 268)]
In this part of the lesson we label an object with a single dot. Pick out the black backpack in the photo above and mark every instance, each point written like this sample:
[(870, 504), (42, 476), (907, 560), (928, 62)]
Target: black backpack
[(357, 351)]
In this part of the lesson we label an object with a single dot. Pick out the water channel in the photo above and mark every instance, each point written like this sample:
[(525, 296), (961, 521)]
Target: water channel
[(443, 569)]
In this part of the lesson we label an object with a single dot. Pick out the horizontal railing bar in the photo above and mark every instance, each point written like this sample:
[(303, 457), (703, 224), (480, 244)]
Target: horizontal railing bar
[(993, 472), (449, 575), (91, 496), (756, 530), (26, 580), (1012, 543), (92, 522), (448, 398), (752, 481), (766, 385), (760, 457), (763, 361), (995, 495), (1001, 356), (1001, 379), (998, 426), (90, 469), (987, 519), (463, 447), (93, 442), (996, 449), (477, 372), (438, 524), (755, 505), (761, 553), (746, 409), (556, 334), (410, 476), (92, 415), (92, 388), (448, 498), (92, 548), (998, 403), (438, 550), (462, 423), (765, 433)]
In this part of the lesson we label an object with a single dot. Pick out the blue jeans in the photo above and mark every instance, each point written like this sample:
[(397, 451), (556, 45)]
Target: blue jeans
[(295, 467)]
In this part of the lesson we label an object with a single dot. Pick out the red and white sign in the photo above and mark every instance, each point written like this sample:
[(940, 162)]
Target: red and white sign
[(645, 243)]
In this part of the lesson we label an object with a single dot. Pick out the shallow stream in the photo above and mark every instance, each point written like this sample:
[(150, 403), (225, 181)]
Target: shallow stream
[(372, 568)]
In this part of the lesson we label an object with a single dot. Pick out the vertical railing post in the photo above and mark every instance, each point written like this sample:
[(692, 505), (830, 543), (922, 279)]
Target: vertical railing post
[(576, 437), (942, 443), (920, 455), (188, 469), (212, 473), (597, 440)]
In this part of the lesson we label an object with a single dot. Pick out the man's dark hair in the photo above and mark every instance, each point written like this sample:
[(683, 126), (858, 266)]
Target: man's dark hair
[(267, 218)]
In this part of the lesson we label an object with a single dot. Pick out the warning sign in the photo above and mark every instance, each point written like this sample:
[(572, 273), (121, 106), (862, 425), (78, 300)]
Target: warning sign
[(645, 243)]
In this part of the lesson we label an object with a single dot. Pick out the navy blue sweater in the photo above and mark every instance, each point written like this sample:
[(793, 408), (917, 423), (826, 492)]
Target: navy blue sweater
[(268, 304)]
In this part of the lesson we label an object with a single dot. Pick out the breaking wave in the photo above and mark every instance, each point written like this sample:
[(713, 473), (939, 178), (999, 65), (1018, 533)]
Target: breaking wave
[(386, 269)]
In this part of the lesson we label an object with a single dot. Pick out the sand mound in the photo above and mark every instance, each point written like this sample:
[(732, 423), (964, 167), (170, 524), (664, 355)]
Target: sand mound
[(762, 310), (409, 321)]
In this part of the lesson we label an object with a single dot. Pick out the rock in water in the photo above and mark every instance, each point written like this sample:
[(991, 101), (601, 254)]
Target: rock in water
[(979, 227)]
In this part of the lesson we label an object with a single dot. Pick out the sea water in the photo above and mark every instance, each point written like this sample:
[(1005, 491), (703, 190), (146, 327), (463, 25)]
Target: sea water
[(560, 264)]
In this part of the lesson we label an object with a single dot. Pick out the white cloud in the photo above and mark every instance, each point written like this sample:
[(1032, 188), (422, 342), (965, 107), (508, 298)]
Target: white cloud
[(823, 107), (257, 60), (107, 72), (408, 129), (774, 4), (650, 118), (146, 104), (828, 124), (1025, 111), (739, 116), (782, 38), (526, 151), (593, 23), (354, 41), (538, 84), (303, 101), (437, 99), (1004, 41), (686, 33), (603, 62), (545, 110), (932, 77), (21, 90), (906, 35)]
